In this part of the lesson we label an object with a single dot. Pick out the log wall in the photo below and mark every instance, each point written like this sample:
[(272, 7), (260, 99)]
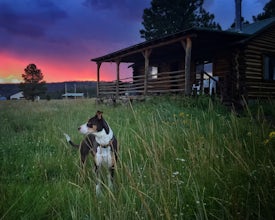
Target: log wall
[(263, 44)]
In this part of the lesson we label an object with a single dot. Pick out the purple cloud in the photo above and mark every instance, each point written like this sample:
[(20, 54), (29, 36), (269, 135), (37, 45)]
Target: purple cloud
[(30, 20), (127, 9)]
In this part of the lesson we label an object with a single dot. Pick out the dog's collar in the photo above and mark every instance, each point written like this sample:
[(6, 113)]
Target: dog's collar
[(109, 144)]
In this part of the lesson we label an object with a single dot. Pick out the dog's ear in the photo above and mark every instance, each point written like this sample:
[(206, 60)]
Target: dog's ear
[(105, 126), (99, 114), (104, 123)]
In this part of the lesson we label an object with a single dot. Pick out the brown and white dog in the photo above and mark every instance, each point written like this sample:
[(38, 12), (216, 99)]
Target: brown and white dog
[(100, 141)]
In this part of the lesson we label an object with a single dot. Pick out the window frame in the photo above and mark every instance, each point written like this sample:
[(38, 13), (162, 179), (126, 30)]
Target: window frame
[(268, 65)]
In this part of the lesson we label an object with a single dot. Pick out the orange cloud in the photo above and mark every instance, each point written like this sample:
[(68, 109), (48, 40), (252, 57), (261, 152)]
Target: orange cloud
[(10, 68)]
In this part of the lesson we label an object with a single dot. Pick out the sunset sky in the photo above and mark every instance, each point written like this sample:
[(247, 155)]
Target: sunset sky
[(62, 36)]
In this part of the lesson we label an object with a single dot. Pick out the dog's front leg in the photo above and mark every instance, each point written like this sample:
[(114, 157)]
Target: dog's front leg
[(98, 163), (111, 165), (111, 177), (98, 183)]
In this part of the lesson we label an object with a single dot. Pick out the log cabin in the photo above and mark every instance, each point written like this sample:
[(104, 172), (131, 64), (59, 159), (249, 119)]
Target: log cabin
[(240, 63)]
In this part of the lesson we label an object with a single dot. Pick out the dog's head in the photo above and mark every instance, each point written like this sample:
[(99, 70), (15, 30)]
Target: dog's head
[(95, 124)]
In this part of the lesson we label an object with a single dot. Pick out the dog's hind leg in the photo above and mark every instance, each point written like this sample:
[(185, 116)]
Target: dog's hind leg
[(84, 150)]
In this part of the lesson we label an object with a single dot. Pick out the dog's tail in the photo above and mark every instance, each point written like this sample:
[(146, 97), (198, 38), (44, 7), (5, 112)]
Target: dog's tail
[(69, 141)]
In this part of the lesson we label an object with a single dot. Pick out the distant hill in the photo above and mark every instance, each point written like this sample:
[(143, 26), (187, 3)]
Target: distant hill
[(7, 90), (55, 90)]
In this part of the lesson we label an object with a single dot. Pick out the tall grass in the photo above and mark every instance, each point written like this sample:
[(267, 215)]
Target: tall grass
[(179, 158)]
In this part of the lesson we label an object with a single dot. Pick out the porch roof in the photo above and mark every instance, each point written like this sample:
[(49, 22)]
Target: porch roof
[(204, 41)]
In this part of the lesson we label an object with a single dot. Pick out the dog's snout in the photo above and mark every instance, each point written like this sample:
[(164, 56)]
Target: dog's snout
[(79, 128)]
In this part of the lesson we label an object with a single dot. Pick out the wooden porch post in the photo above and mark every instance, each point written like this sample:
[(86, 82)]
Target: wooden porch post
[(146, 55), (187, 45), (98, 79), (117, 78)]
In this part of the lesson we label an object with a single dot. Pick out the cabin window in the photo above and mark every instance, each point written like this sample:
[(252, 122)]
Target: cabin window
[(153, 72), (269, 67)]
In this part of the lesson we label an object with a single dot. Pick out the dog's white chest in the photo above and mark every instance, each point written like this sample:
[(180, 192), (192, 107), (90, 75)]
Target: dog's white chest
[(103, 156), (102, 138)]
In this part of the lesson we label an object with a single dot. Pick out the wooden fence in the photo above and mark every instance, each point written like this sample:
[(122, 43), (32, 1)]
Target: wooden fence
[(165, 82)]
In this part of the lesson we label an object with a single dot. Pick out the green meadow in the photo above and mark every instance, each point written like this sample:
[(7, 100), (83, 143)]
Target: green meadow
[(179, 158)]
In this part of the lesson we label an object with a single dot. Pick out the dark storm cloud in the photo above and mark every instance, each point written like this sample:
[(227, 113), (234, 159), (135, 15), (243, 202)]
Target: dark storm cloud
[(125, 8), (15, 23), (30, 20), (102, 4)]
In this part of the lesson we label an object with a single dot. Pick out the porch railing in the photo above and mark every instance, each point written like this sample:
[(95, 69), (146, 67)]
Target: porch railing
[(164, 82)]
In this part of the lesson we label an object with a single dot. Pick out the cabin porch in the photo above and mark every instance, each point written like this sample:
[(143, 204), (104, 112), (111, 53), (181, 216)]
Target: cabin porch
[(172, 82)]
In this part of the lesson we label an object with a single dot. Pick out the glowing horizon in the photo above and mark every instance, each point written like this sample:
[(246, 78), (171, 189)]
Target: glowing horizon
[(11, 69)]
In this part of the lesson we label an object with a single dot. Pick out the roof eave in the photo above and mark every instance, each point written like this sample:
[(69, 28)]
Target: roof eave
[(192, 32)]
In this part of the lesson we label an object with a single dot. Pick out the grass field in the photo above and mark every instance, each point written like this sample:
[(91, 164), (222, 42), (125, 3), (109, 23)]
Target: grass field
[(180, 158)]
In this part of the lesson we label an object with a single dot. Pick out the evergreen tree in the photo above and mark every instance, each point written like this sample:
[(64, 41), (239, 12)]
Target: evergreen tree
[(33, 84), (206, 20), (269, 11), (233, 25), (167, 17)]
